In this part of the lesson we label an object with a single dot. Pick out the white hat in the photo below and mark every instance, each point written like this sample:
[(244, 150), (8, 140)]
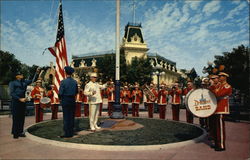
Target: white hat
[(93, 74)]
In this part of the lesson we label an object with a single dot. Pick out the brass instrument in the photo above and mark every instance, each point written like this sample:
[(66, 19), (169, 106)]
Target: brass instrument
[(149, 94)]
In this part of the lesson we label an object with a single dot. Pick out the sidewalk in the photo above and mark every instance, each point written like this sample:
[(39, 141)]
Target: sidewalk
[(237, 143)]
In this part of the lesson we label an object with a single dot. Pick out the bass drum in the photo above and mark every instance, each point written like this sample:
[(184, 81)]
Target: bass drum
[(201, 102)]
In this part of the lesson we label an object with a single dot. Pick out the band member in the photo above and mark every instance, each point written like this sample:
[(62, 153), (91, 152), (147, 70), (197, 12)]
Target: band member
[(92, 90), (162, 101), (101, 104), (17, 92), (151, 100), (214, 81), (67, 93), (54, 101), (37, 93), (79, 98), (176, 100), (136, 99), (222, 94), (111, 97), (125, 97), (85, 105), (189, 115), (204, 122)]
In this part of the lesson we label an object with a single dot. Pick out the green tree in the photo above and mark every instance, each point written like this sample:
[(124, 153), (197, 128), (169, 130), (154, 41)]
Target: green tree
[(236, 65), (139, 71), (9, 66)]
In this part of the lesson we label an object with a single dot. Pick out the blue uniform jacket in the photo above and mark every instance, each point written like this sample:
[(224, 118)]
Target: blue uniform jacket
[(67, 91), (18, 88)]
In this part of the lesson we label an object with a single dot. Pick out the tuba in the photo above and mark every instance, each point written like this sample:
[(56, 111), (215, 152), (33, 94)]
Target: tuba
[(149, 94)]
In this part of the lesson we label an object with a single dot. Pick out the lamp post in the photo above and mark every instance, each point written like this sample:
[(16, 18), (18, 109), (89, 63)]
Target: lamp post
[(158, 73)]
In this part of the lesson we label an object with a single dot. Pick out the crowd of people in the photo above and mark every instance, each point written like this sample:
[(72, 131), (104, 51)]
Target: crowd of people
[(72, 97)]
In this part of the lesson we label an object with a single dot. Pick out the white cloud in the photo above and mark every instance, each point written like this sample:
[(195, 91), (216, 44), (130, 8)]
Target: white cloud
[(194, 4), (236, 11), (211, 7)]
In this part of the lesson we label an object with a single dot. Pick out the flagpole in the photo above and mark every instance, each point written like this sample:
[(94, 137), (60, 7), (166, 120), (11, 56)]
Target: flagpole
[(117, 114)]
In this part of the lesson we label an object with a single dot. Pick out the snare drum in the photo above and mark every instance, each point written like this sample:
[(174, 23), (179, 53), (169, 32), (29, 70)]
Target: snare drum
[(45, 102), (201, 102)]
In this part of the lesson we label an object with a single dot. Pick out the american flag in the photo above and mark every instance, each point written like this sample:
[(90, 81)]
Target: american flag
[(59, 51)]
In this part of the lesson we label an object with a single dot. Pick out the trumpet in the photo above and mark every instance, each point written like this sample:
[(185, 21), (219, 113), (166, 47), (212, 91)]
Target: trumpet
[(149, 94)]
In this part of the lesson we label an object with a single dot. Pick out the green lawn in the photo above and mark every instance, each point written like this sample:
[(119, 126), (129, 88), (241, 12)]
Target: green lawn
[(155, 131)]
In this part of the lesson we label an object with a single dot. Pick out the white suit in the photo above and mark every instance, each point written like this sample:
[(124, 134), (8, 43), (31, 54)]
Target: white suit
[(93, 91)]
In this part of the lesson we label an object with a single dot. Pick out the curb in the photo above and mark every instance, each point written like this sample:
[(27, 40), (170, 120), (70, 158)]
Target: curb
[(115, 147)]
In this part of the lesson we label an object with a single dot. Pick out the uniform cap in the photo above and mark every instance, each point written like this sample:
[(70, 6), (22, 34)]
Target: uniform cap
[(93, 75), (69, 70), (39, 81), (214, 76), (223, 74)]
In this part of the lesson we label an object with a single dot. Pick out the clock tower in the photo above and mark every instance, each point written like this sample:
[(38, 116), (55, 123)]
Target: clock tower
[(133, 44)]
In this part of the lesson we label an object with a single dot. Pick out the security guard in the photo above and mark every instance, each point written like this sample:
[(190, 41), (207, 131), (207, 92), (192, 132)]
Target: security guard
[(67, 92), (17, 92)]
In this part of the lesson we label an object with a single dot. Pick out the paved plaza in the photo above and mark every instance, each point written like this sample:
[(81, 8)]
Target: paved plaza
[(237, 145)]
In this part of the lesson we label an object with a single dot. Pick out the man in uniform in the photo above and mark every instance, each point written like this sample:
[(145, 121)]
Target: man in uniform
[(37, 93), (162, 101), (79, 97), (67, 92), (151, 100), (176, 100), (17, 92), (189, 115), (136, 99), (54, 101), (111, 98), (125, 96), (85, 105), (222, 94), (93, 91)]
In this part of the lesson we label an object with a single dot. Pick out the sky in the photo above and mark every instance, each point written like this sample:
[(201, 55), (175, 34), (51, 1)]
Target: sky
[(188, 32)]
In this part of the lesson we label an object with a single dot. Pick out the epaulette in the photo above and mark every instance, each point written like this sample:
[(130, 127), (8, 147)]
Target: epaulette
[(227, 86)]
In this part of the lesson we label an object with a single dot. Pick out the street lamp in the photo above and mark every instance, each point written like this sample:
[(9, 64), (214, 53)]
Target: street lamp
[(158, 73)]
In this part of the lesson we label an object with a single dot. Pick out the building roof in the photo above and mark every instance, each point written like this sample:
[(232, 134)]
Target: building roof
[(131, 29), (153, 55)]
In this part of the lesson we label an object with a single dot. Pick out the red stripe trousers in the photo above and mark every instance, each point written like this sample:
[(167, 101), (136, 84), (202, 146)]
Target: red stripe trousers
[(125, 109), (39, 113), (220, 135), (175, 112), (86, 110), (162, 111), (54, 111), (135, 110), (150, 110), (78, 109)]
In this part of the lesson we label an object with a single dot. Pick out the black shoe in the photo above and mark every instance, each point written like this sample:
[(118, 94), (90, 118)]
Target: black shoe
[(219, 149), (22, 135), (65, 136), (15, 136)]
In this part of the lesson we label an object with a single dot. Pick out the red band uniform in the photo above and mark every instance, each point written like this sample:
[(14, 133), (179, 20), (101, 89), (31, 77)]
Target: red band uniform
[(101, 104), (189, 115), (111, 99), (79, 99), (54, 102), (125, 97), (151, 101), (85, 105), (222, 94), (37, 93), (162, 102), (176, 100), (136, 99)]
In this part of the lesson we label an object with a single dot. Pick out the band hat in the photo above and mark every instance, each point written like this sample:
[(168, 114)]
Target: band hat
[(39, 81), (93, 75), (223, 74), (18, 73), (136, 86), (69, 70), (214, 76)]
